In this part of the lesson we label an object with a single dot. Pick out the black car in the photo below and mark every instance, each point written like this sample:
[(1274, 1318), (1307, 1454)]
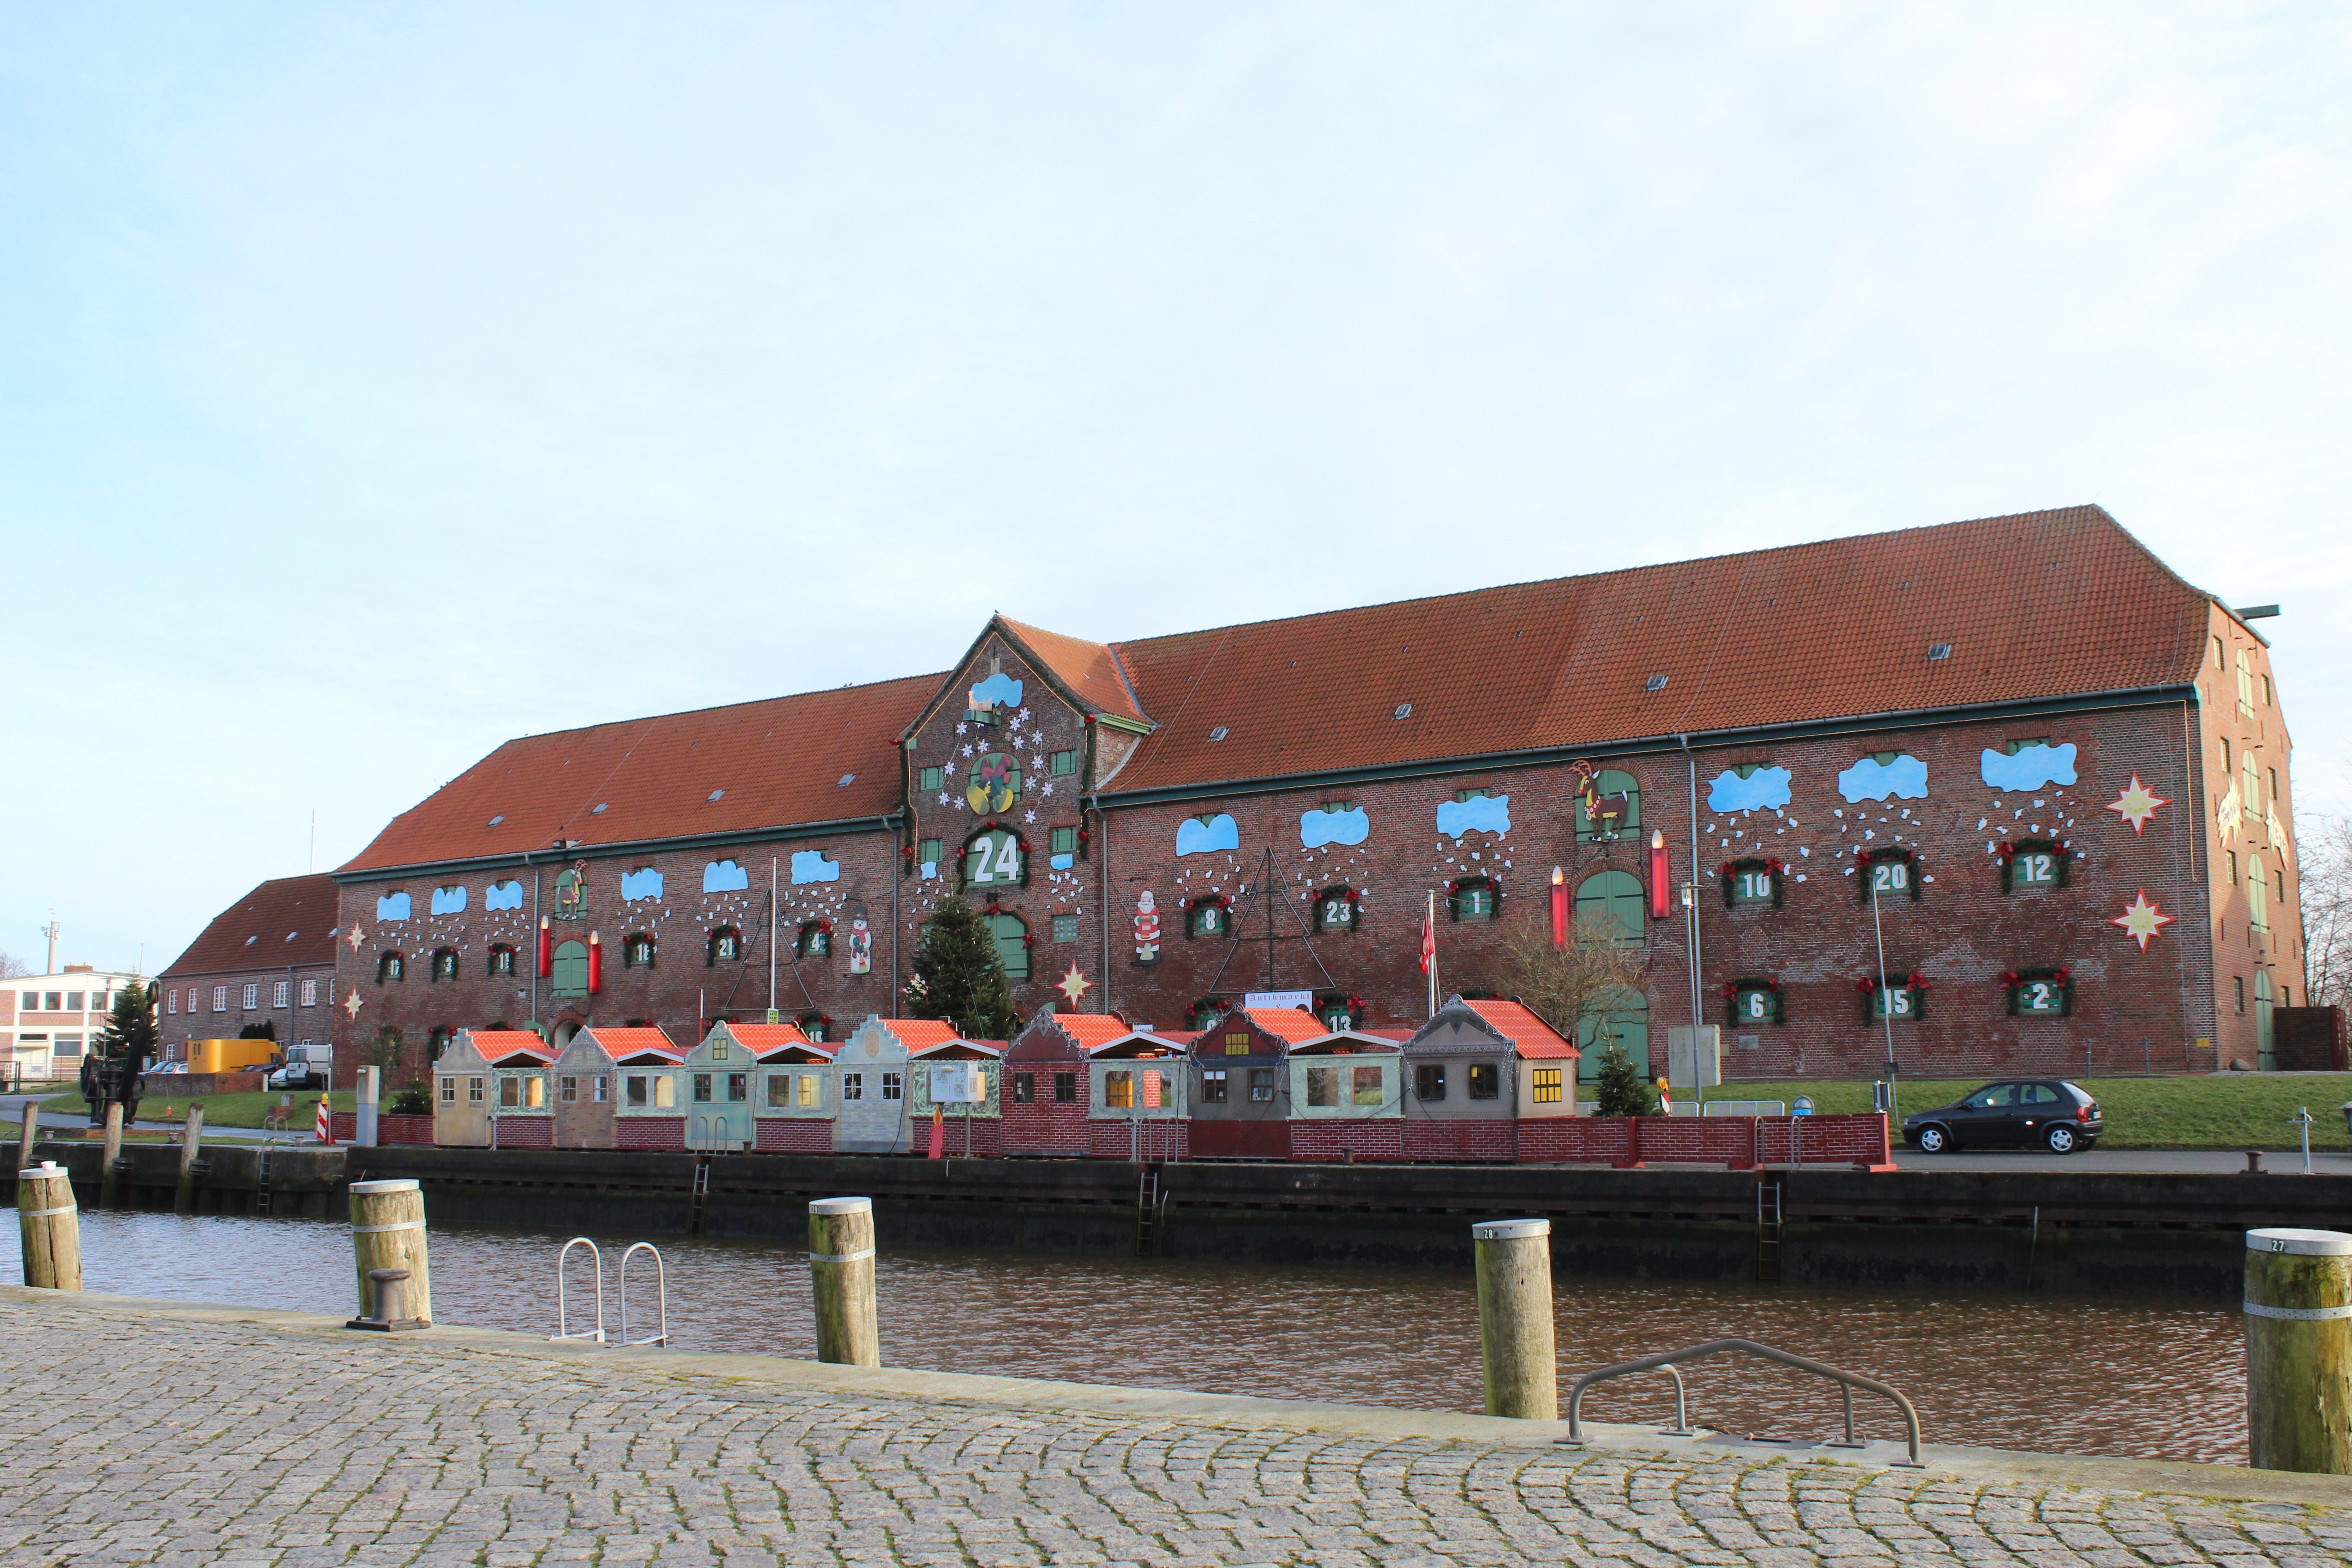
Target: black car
[(2016, 1113)]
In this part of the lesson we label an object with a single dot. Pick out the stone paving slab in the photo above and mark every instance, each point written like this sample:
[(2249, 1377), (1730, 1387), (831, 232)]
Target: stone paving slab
[(162, 1432)]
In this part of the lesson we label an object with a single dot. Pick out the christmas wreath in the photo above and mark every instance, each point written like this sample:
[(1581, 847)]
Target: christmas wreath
[(1730, 871), (1731, 990), (1218, 902), (1354, 900), (1455, 888), (2015, 980), (1914, 983), (1334, 1002), (2010, 848), (1205, 1011), (1865, 858)]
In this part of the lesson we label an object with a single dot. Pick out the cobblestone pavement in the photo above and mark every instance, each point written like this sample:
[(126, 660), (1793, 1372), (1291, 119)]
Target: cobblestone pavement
[(139, 1438)]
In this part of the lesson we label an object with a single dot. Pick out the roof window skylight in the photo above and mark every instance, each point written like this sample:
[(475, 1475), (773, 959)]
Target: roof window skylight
[(1220, 733), (1656, 683), (1403, 711), (847, 780), (598, 809), (1939, 650), (495, 820), (716, 793)]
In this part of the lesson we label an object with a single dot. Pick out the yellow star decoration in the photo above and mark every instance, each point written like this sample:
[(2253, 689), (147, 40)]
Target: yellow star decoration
[(1073, 985), (2141, 919), (352, 1002), (354, 937), (2137, 804)]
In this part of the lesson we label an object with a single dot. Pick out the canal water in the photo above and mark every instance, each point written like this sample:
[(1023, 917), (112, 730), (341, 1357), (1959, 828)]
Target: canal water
[(2149, 1379)]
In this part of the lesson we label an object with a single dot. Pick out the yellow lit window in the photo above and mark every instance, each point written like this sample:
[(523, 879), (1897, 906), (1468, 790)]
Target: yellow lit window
[(1547, 1086), (1237, 1045)]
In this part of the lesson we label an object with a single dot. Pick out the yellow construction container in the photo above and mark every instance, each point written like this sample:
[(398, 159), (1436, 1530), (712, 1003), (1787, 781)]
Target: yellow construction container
[(230, 1056)]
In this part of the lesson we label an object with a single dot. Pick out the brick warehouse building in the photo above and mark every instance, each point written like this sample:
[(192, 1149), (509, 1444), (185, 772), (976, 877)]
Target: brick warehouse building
[(2062, 769)]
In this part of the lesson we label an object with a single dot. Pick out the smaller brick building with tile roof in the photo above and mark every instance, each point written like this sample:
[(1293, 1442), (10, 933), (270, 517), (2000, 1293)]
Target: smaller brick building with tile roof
[(269, 958)]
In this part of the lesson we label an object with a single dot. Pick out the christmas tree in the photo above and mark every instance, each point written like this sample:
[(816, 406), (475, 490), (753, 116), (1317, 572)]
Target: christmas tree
[(958, 975), (1619, 1089), (130, 1034)]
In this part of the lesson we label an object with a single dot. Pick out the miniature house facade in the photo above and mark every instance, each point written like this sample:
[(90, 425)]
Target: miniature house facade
[(1474, 1072), (1047, 1082), (588, 1081), (1346, 1096), (647, 1112), (1240, 1088)]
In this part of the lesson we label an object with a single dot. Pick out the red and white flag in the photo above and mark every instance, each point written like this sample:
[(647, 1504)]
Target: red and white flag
[(1428, 942)]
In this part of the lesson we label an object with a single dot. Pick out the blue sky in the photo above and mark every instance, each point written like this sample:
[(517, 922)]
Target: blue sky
[(378, 382)]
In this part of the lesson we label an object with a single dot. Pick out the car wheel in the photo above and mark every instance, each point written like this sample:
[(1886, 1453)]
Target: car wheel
[(1934, 1140), (2061, 1138)]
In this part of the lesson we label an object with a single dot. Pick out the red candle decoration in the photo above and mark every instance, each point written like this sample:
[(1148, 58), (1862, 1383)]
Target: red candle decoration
[(546, 949), (595, 964), (1658, 875), (1558, 908)]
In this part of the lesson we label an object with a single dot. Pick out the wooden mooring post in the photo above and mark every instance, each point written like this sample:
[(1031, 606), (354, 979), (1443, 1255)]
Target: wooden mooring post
[(1514, 1323), (109, 1176), (2299, 1351), (30, 1133), (388, 1233), (184, 1201), (51, 1226), (840, 1272)]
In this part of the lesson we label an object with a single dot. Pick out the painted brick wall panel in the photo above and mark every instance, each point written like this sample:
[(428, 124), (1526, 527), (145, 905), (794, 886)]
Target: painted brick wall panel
[(525, 1131), (651, 1132), (792, 1135), (1367, 1138)]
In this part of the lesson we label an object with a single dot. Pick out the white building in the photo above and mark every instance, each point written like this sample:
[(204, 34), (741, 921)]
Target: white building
[(48, 1022)]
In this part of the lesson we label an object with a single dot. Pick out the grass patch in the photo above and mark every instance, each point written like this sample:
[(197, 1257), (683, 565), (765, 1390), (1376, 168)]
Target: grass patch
[(2223, 1110), (245, 1110)]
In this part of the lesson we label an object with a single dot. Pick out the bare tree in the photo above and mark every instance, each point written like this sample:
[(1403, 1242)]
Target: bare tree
[(1563, 985), (2324, 884), (14, 968)]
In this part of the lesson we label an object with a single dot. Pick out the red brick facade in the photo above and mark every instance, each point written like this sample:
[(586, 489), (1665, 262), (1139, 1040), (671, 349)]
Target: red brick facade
[(1124, 805)]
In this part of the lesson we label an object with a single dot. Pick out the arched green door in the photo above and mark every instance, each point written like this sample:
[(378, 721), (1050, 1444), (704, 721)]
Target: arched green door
[(1627, 1020), (2265, 1044), (1011, 944), (1609, 909), (568, 973)]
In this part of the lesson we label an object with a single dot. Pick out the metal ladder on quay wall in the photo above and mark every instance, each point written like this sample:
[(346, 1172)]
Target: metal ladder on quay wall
[(261, 1183), (1769, 1193), (700, 1200), (1151, 1210)]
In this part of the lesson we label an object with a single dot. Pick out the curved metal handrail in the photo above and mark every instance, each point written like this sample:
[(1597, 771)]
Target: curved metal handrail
[(1848, 1381), (661, 1294), (564, 1330)]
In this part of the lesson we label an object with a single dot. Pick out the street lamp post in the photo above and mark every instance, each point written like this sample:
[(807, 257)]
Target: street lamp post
[(1886, 1008)]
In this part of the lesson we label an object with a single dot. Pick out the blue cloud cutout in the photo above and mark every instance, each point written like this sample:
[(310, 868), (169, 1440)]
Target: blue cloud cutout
[(1194, 836), (811, 865), (642, 883), (1760, 791), (503, 896), (449, 900), (1485, 813), (1905, 778), (2032, 767), (725, 877), (1000, 688), (392, 907), (1317, 828)]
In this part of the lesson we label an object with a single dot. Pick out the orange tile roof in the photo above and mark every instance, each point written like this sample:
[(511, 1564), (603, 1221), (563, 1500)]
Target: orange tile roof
[(286, 921), (499, 1046), (1088, 669), (1289, 1025), (761, 1038), (2038, 605), (777, 762), (1529, 1034), (621, 1041), (922, 1034), (2035, 606), (1092, 1031)]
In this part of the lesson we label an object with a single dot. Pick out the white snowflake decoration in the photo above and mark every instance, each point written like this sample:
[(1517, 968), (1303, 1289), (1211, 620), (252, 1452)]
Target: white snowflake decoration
[(1046, 788), (943, 798), (961, 728)]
